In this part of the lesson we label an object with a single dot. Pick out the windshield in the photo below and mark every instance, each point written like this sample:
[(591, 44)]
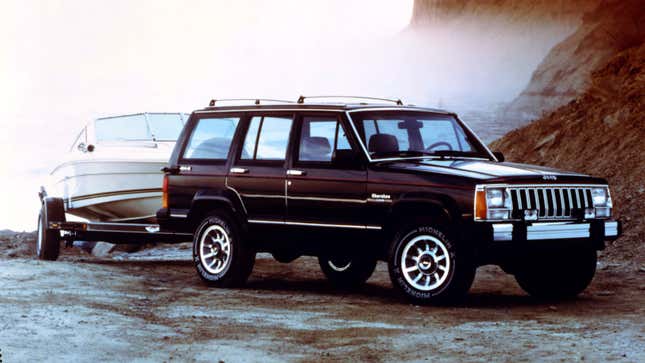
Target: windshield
[(410, 133), (140, 127)]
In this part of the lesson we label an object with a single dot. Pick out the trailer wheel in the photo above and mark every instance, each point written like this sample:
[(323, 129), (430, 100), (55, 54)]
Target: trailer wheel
[(48, 240), (221, 255)]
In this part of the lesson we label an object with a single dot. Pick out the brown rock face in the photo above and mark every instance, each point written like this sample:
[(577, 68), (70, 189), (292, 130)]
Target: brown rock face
[(526, 12), (563, 75), (601, 132)]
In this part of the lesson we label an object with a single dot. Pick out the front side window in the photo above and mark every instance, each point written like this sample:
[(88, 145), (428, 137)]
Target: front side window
[(412, 133), (267, 138), (320, 137), (211, 138)]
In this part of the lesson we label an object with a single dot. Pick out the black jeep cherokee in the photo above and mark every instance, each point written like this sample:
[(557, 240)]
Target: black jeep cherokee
[(356, 183)]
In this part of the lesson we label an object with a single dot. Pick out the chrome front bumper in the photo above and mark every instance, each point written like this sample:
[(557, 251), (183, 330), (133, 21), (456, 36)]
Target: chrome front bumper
[(556, 230)]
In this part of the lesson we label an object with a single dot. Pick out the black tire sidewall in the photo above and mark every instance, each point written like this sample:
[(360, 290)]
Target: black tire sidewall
[(358, 272), (394, 263), (237, 269), (570, 274), (51, 210)]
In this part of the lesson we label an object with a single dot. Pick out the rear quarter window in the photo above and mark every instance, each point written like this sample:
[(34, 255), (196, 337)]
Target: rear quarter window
[(211, 138)]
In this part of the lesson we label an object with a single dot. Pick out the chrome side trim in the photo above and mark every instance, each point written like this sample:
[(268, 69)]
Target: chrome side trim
[(322, 199), (329, 225), (177, 215), (275, 196), (236, 193)]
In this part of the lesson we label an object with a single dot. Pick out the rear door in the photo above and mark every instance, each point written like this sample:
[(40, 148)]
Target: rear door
[(258, 174), (319, 192)]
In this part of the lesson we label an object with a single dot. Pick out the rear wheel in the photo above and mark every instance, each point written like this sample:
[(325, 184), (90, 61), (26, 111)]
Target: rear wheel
[(48, 240), (428, 267), (220, 254), (557, 274), (347, 271)]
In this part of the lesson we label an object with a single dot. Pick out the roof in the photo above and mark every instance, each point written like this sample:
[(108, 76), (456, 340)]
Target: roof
[(321, 106)]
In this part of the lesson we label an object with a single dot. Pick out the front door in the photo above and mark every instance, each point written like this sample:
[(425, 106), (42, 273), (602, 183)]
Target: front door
[(320, 193), (258, 174)]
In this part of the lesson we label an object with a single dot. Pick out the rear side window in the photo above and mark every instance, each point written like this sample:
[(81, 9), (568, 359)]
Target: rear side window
[(211, 138), (267, 138)]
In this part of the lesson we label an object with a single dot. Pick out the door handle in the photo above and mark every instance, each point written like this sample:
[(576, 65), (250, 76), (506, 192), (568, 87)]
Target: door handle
[(296, 172), (239, 170)]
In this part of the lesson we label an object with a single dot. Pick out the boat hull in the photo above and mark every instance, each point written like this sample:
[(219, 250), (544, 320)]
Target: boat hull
[(111, 190)]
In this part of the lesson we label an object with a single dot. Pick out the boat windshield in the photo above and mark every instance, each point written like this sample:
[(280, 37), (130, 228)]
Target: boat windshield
[(401, 134), (140, 127)]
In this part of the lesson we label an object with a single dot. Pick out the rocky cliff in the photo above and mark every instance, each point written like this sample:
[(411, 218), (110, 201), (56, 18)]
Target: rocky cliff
[(610, 28), (527, 13)]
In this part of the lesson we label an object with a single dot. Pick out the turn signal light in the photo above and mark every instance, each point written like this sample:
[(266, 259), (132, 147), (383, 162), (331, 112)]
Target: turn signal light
[(480, 205)]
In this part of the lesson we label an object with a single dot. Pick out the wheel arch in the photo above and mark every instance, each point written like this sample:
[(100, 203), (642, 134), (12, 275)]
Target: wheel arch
[(206, 201), (440, 210)]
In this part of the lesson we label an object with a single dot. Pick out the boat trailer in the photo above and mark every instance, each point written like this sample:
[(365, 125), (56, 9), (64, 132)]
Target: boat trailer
[(53, 228)]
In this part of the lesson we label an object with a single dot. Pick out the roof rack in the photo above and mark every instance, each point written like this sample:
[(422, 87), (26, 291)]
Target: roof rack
[(255, 100), (301, 99)]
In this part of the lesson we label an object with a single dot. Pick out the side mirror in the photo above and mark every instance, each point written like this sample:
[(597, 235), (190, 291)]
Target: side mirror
[(499, 155), (345, 159)]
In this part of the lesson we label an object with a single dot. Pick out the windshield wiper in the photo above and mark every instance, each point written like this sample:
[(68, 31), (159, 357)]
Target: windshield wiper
[(404, 153), (456, 153)]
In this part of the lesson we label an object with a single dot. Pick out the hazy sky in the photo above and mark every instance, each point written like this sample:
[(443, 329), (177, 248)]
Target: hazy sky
[(65, 62)]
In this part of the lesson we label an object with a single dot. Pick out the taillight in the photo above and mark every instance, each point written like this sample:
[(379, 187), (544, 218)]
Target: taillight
[(164, 192)]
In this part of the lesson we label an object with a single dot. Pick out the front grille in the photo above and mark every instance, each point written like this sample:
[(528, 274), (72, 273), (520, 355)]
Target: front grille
[(551, 202)]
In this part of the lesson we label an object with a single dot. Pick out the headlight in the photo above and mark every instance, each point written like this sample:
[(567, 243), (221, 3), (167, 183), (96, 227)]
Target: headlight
[(599, 196), (495, 197), (602, 204), (492, 203)]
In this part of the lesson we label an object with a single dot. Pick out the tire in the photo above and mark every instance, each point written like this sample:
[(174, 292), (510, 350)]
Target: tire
[(346, 272), (557, 274), (48, 240), (428, 267), (220, 254)]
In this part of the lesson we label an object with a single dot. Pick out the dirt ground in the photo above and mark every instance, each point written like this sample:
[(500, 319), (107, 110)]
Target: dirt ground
[(151, 306)]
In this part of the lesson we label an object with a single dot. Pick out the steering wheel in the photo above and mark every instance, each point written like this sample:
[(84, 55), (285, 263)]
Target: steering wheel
[(440, 143)]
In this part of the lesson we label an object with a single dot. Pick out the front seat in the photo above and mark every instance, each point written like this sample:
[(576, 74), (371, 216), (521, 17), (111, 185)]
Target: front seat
[(383, 143)]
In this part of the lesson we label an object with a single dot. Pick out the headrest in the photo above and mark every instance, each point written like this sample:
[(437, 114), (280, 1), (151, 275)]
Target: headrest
[(382, 143), (316, 148)]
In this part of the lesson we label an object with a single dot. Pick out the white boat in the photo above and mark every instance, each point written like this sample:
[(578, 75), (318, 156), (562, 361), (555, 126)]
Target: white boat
[(113, 169)]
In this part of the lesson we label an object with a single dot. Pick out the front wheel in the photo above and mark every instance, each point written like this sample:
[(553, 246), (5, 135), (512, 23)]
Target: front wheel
[(428, 267), (220, 254), (557, 274), (346, 271)]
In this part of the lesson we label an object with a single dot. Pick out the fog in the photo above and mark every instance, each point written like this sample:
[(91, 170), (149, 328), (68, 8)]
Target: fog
[(67, 62)]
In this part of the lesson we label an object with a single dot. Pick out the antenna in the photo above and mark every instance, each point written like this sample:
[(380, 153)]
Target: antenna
[(301, 99), (256, 101)]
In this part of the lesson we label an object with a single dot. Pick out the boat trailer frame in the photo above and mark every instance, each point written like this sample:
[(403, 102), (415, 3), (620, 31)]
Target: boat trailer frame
[(113, 232)]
